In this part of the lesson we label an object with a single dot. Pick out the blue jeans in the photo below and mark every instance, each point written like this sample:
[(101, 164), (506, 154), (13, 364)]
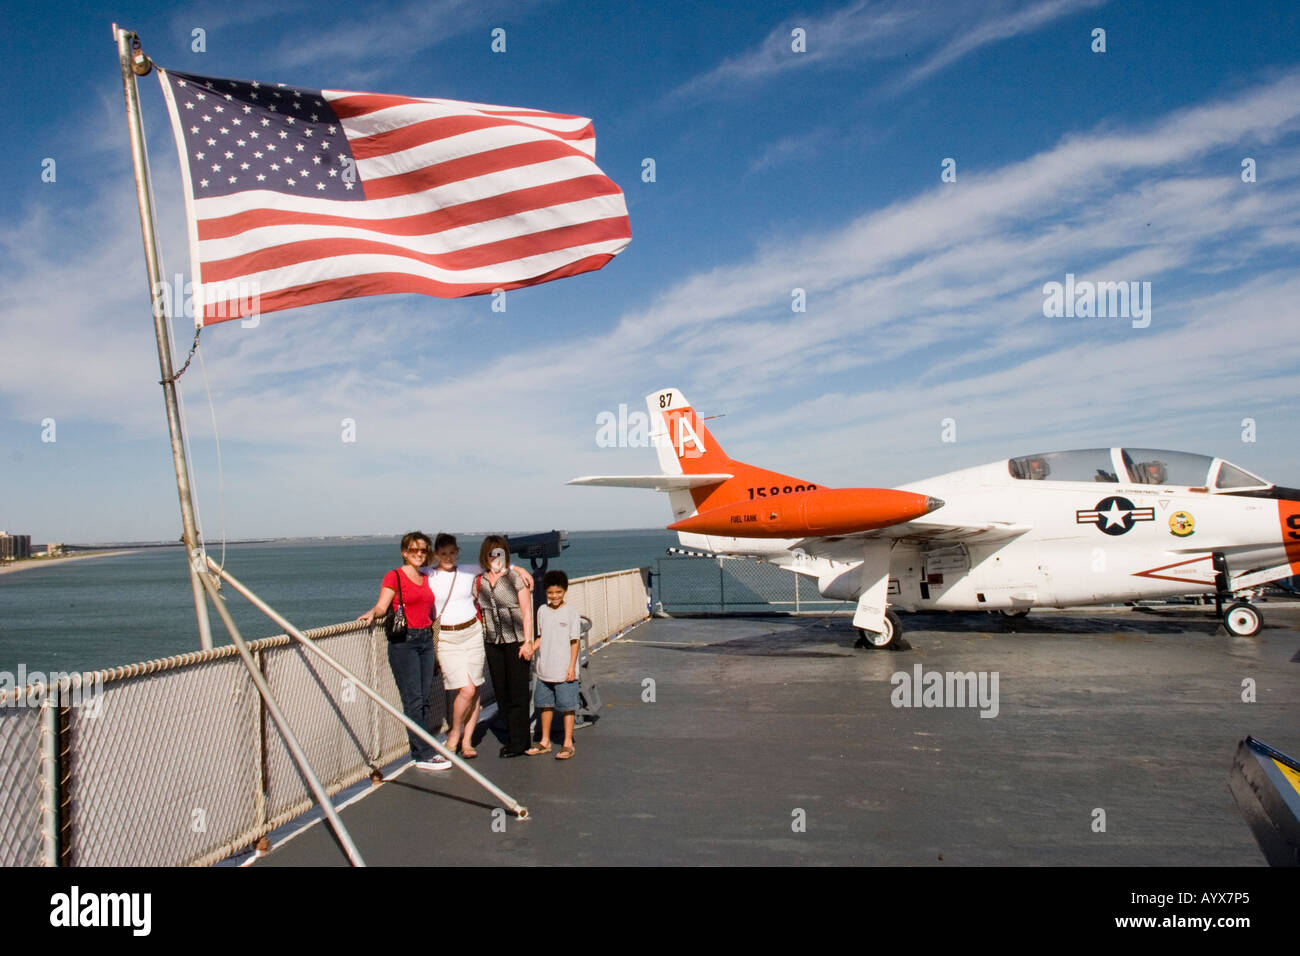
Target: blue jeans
[(413, 665)]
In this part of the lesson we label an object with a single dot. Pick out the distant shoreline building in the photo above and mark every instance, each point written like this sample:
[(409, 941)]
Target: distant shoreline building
[(14, 547)]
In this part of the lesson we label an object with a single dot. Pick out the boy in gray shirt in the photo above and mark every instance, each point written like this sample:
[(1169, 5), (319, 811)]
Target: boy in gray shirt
[(559, 626)]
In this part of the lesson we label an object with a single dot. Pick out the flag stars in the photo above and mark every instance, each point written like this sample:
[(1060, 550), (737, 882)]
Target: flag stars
[(290, 120), (203, 183), (253, 134), (334, 172), (233, 178), (248, 109), (300, 147), (316, 160), (320, 185), (284, 134), (198, 155), (194, 130), (241, 142), (265, 121), (347, 185), (243, 165), (206, 118), (275, 167), (258, 154), (223, 131), (220, 109), (261, 178), (216, 167), (291, 182), (200, 96), (236, 121), (229, 155), (189, 105), (212, 142)]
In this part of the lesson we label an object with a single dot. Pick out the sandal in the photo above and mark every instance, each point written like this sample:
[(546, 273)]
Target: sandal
[(469, 753), (536, 751), (565, 753)]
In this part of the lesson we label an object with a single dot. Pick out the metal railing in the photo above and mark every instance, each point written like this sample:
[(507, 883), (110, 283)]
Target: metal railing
[(723, 585), (175, 761)]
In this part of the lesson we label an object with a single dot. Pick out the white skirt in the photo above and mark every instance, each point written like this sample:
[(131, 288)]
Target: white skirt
[(461, 657)]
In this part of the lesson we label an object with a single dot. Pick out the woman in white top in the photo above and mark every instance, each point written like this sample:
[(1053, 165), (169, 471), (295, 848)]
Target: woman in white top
[(460, 638)]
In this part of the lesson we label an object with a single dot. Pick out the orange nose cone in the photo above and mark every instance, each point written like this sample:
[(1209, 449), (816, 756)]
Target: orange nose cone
[(825, 511)]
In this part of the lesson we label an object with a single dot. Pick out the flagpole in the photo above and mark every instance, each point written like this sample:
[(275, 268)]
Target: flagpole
[(153, 263)]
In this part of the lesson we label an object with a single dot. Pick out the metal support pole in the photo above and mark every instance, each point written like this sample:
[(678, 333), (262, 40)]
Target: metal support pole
[(508, 801), (290, 741), (50, 778), (153, 265)]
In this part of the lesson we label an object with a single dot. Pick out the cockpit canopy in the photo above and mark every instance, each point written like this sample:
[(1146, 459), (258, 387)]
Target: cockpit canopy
[(1142, 466)]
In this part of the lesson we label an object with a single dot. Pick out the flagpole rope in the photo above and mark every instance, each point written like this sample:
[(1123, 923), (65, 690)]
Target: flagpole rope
[(193, 348), (221, 475)]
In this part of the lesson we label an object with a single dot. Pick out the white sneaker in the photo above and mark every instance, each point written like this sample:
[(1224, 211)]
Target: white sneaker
[(436, 762)]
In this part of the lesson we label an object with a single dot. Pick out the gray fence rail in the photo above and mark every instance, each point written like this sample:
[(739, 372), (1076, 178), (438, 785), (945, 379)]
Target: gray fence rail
[(175, 761), (720, 585)]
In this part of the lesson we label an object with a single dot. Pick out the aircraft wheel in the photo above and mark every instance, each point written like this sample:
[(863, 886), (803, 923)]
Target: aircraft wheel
[(1242, 619), (889, 637), (1015, 615)]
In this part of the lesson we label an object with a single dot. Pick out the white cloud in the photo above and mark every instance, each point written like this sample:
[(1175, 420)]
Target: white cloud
[(941, 33)]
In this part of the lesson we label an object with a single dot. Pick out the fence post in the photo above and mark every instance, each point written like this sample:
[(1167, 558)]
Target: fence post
[(722, 587)]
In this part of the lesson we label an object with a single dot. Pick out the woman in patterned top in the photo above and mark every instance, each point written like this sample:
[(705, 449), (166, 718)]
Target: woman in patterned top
[(505, 599)]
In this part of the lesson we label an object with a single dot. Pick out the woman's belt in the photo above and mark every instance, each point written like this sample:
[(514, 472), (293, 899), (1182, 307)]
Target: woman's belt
[(460, 627)]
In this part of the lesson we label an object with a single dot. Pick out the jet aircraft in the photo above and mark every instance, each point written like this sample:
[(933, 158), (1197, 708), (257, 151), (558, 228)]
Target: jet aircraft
[(1056, 529)]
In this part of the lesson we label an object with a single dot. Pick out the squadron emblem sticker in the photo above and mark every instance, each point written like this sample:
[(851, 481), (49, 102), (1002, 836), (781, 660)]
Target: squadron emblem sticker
[(1181, 524), (1115, 515)]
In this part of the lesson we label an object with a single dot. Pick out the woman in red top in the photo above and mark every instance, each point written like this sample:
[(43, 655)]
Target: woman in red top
[(412, 660)]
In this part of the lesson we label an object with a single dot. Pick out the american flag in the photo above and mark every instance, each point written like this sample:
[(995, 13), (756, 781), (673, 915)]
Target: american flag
[(296, 196)]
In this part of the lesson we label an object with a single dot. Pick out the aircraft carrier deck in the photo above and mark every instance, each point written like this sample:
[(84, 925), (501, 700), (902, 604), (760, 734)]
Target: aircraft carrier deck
[(772, 741)]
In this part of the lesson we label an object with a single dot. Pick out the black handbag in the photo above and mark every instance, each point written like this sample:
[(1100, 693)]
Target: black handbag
[(395, 620)]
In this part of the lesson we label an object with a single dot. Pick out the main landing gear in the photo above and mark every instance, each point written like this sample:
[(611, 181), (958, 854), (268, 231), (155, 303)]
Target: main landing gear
[(891, 638)]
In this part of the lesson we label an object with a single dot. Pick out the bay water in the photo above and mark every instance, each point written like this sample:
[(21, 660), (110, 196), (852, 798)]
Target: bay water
[(104, 612)]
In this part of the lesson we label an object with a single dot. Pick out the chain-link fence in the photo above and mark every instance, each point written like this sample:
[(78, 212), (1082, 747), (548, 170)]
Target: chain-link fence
[(176, 761), (718, 585)]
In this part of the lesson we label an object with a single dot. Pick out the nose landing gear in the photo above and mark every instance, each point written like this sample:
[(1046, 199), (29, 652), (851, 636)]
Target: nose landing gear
[(1242, 619)]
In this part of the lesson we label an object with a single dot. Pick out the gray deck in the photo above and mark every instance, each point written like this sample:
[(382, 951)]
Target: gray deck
[(1137, 713)]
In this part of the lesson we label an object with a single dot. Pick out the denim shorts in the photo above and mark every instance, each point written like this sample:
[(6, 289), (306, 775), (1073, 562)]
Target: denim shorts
[(560, 695)]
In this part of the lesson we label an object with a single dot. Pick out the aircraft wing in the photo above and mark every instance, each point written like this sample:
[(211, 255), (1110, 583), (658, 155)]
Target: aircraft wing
[(849, 546), (654, 482)]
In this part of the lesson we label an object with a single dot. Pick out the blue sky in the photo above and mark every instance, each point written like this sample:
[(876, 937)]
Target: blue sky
[(775, 170)]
